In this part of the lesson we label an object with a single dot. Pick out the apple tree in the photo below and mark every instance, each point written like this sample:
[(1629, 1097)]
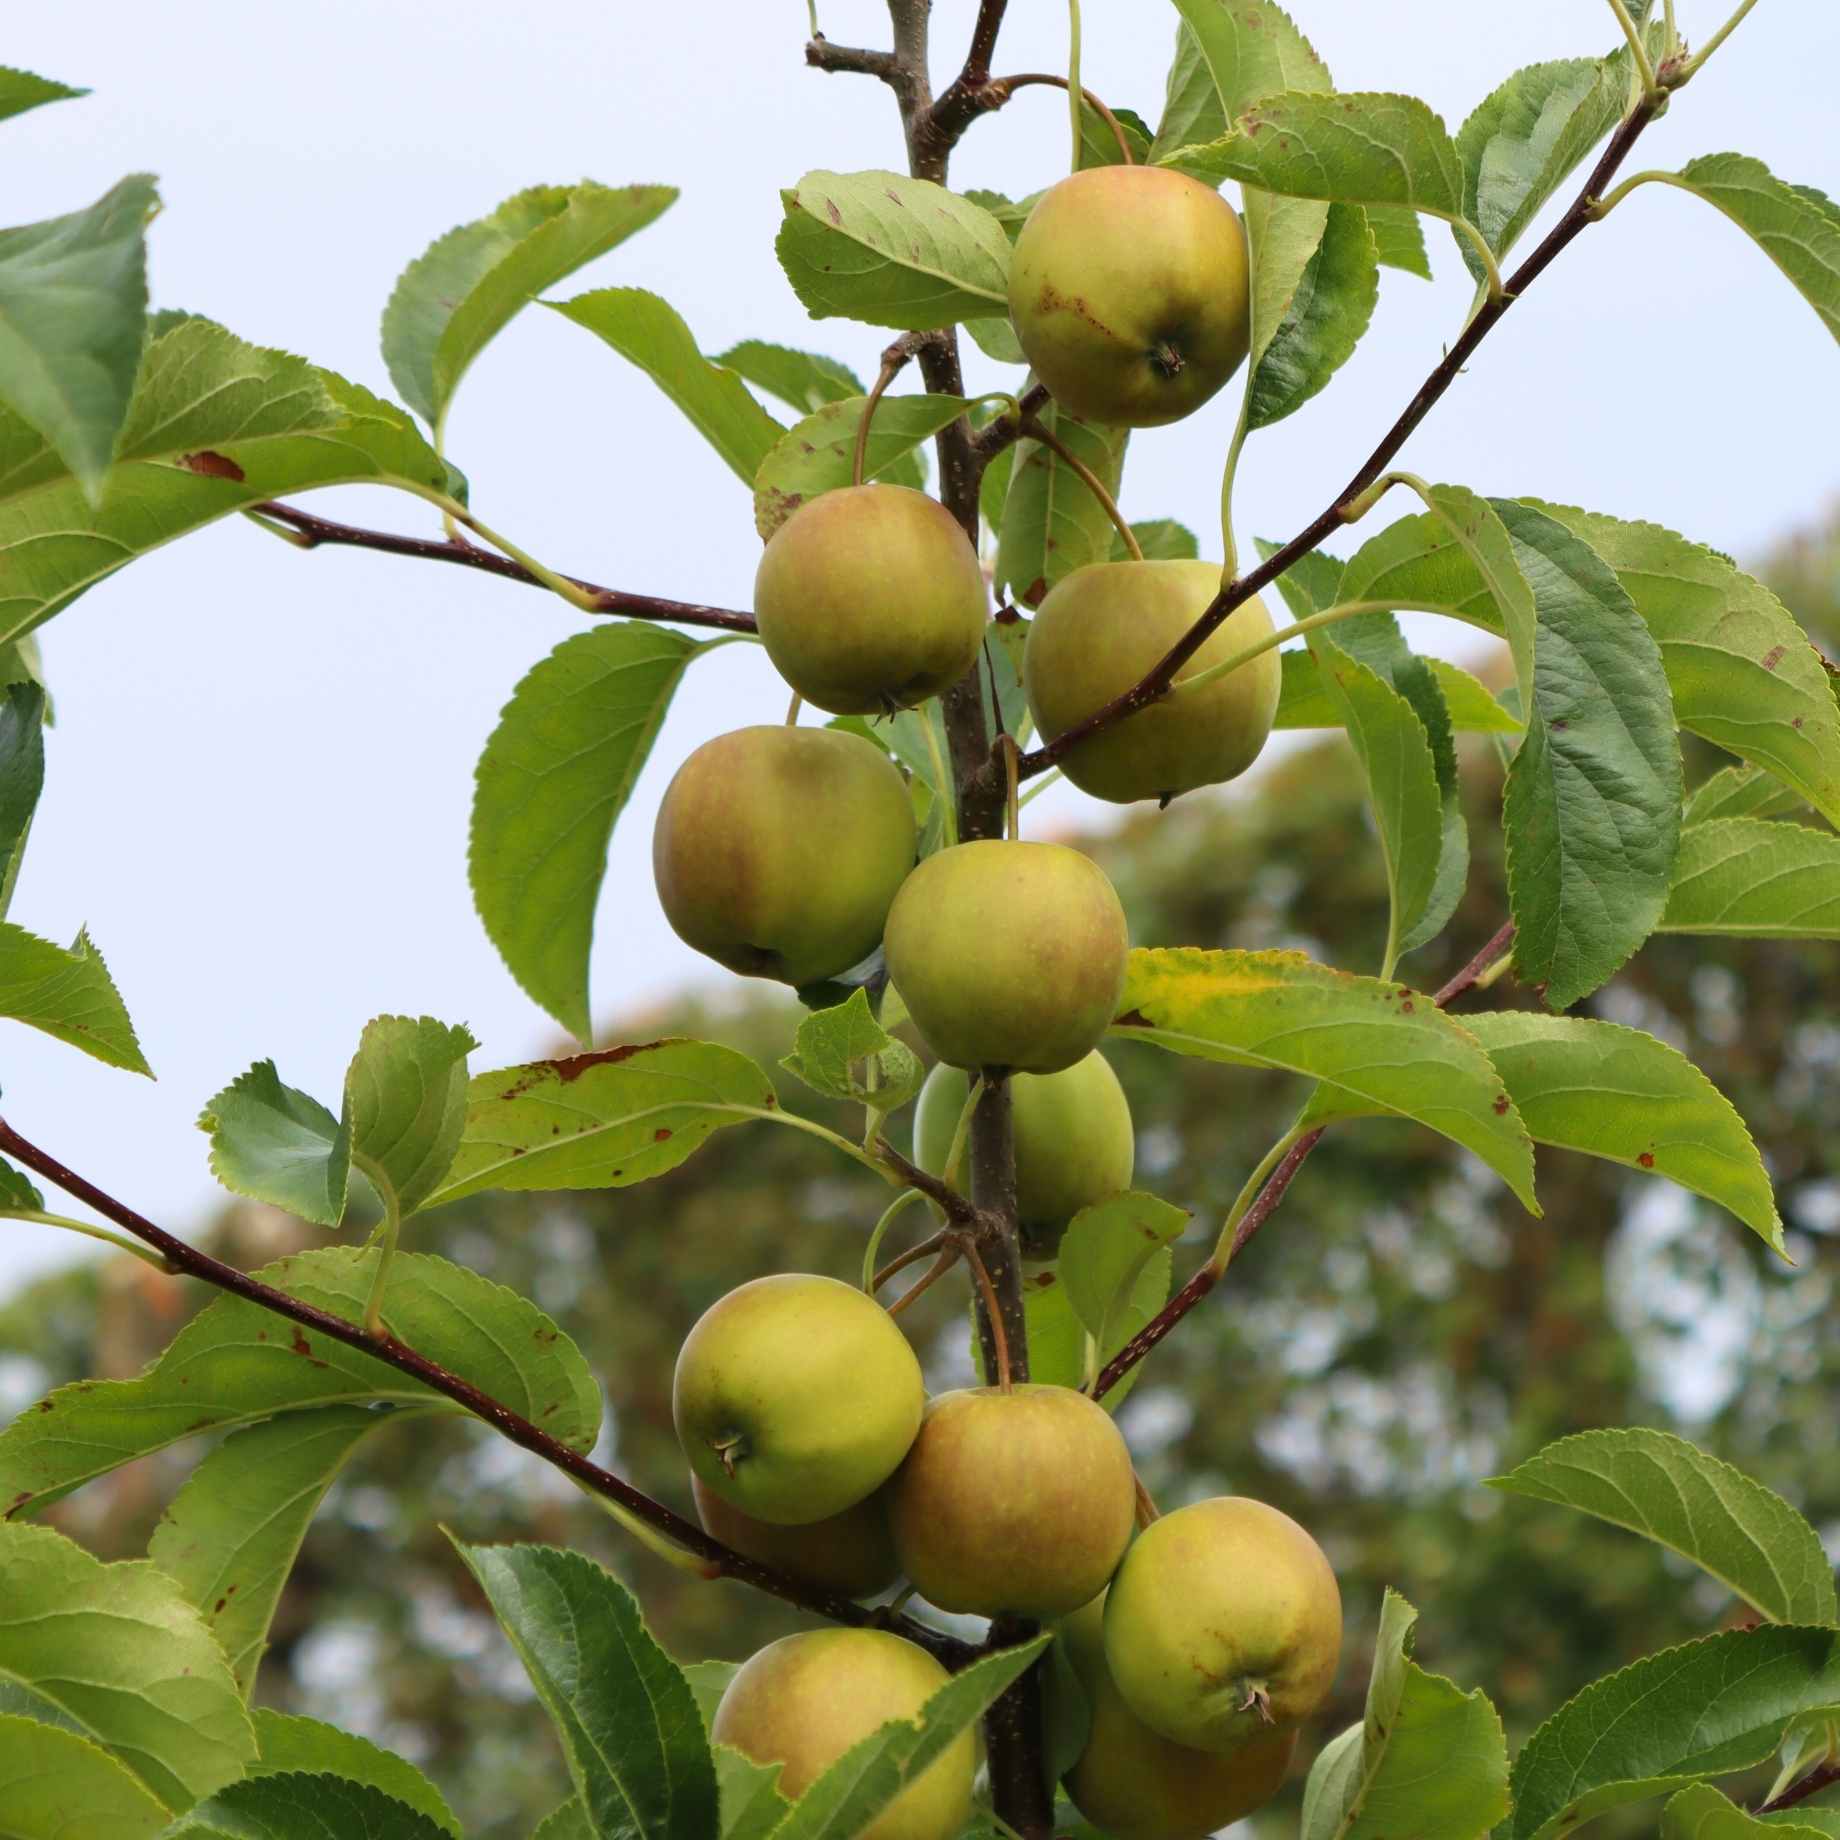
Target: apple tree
[(1006, 1635)]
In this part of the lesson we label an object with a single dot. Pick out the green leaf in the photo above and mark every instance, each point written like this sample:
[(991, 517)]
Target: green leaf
[(1349, 148), (829, 1044), (1399, 239), (802, 380), (1229, 55), (1705, 1813), (215, 426), (1428, 1758), (1378, 1049), (1738, 792), (277, 1144), (405, 1105), (304, 1807), (650, 333), (73, 315), (230, 1536), (868, 1776), (21, 90), (1744, 878), (1324, 318), (749, 1793), (1099, 145), (306, 1746), (1797, 227), (1705, 1709), (569, 1822), (16, 1191), (1395, 750), (1741, 671), (1060, 1351), (894, 251), (818, 455), (69, 995), (634, 1739), (462, 291), (22, 777), (56, 1784), (1620, 1094), (708, 1682), (1104, 1251), (1526, 138), (996, 339), (1303, 703), (549, 788), (116, 1650), (601, 1120), (1161, 540), (1052, 523), (1661, 1486), (1592, 807), (236, 1363)]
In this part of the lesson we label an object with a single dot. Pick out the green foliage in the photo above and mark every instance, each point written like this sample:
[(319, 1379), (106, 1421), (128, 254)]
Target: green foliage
[(601, 1120), (294, 1746), (549, 788), (1707, 1709), (1374, 1048), (113, 1651), (68, 995), (304, 1807), (1749, 879), (651, 333), (22, 777), (1704, 1813), (1051, 523), (1427, 1758), (831, 1043), (54, 1783), (803, 380), (1660, 1485), (275, 1143), (894, 251), (818, 454), (462, 292), (634, 1740), (21, 90), (1108, 1251), (236, 1364), (1324, 316)]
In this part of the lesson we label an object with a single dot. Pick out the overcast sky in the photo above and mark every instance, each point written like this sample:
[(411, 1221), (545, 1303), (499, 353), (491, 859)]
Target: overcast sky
[(257, 790)]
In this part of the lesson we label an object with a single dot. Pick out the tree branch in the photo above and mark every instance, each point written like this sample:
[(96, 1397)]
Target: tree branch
[(1234, 593), (312, 532), (1266, 1202), (720, 1561), (821, 54)]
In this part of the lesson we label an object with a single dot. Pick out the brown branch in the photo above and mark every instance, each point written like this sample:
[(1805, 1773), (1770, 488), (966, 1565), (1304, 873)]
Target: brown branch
[(1823, 1777), (964, 98), (720, 1560), (959, 1209), (314, 531), (821, 54), (1235, 592), (1265, 1203), (1007, 429)]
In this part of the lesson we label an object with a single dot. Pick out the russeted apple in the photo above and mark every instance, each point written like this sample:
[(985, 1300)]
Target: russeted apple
[(1102, 629), (1074, 1141), (1224, 1621), (1132, 1783), (851, 1553), (1129, 289), (778, 850), (1008, 955), (806, 1699), (869, 599), (1017, 1503), (795, 1397)]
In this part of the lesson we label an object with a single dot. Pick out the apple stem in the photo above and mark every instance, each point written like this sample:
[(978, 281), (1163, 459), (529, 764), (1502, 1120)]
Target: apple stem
[(1146, 1505), (1002, 88), (1012, 808), (998, 1336), (1036, 430), (927, 1279), (912, 1256), (792, 710), (729, 1452)]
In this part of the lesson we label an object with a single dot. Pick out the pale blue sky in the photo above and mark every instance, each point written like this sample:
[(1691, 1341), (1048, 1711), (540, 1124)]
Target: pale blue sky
[(257, 790)]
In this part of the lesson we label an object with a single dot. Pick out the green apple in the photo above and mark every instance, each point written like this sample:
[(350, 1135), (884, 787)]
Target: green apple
[(1017, 1503), (795, 1397), (1102, 629), (1008, 955), (778, 850), (1129, 289), (851, 1553), (1074, 1141), (1134, 1784), (806, 1699), (869, 599), (1224, 1621)]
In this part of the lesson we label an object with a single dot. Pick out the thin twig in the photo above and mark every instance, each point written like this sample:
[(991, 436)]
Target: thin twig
[(1235, 593), (314, 531), (1001, 88), (895, 359), (1823, 1777), (912, 1256), (959, 1209), (931, 1276), (720, 1561)]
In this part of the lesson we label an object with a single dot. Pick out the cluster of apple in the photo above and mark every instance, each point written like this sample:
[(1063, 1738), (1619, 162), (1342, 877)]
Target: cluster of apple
[(1200, 1645), (1201, 1639)]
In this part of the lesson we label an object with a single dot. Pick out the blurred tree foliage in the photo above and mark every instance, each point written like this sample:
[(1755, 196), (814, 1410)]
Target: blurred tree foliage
[(1399, 1332)]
